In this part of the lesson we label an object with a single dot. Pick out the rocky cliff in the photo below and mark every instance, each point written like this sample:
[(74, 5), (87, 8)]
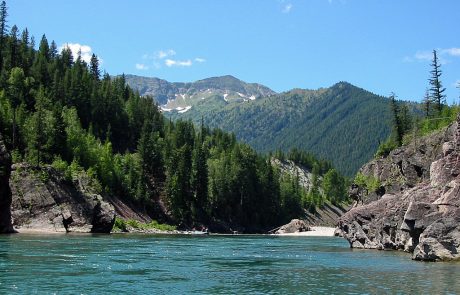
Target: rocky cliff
[(416, 208), (327, 215), (5, 192), (44, 200)]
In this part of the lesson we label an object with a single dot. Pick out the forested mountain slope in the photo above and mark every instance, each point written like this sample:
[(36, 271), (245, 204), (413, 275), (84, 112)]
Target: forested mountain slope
[(343, 123)]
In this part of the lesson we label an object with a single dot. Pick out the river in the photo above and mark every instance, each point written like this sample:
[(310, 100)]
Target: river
[(178, 264)]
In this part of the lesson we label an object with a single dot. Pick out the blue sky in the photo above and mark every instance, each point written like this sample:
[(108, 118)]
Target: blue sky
[(382, 46)]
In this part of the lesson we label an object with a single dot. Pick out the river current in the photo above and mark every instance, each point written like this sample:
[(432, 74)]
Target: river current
[(179, 264)]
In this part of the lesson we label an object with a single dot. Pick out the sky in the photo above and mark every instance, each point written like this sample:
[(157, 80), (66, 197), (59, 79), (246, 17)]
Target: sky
[(381, 46)]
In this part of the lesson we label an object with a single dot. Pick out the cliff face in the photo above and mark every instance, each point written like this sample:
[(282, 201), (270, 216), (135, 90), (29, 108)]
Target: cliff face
[(418, 210), (329, 214), (43, 200), (5, 192)]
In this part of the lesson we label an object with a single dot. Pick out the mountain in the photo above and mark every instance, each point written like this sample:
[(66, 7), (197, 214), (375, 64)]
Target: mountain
[(342, 123), (181, 95)]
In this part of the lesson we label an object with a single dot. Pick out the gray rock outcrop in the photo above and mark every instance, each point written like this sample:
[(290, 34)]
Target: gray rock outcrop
[(294, 226), (5, 192), (43, 200), (419, 211)]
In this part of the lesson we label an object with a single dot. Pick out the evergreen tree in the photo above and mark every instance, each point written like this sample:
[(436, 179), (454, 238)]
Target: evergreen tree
[(436, 89), (334, 186), (397, 125), (3, 29), (94, 67), (427, 104), (16, 89)]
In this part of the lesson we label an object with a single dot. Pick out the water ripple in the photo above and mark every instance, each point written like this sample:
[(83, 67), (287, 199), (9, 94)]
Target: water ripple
[(153, 264)]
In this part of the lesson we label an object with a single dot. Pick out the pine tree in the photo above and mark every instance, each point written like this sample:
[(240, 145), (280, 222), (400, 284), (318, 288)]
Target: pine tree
[(427, 104), (15, 92), (397, 125), (3, 29), (94, 67), (436, 90)]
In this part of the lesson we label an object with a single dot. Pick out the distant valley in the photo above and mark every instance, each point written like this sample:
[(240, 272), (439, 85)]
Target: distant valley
[(342, 123)]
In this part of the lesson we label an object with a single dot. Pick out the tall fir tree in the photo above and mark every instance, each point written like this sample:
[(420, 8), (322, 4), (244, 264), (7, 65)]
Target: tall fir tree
[(436, 89)]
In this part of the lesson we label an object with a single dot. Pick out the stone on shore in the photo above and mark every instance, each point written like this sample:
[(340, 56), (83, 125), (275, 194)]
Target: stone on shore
[(295, 226)]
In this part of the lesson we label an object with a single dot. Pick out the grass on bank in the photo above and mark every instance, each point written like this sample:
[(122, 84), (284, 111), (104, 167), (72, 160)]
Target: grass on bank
[(122, 225)]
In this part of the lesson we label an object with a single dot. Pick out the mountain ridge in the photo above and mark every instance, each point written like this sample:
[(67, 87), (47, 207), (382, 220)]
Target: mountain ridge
[(342, 123), (227, 86)]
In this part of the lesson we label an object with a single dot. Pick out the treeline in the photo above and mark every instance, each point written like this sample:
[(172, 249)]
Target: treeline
[(59, 110), (434, 113)]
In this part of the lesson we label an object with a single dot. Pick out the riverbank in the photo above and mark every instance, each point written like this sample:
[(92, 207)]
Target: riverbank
[(316, 231)]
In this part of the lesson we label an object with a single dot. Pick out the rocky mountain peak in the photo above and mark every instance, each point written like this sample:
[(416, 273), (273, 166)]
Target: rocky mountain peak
[(174, 95)]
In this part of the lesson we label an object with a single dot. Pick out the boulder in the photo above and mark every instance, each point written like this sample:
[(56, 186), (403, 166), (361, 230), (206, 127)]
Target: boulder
[(44, 200), (5, 192), (295, 226), (440, 241)]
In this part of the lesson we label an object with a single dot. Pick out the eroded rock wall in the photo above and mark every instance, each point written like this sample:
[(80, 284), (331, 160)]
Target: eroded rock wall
[(44, 200), (419, 211)]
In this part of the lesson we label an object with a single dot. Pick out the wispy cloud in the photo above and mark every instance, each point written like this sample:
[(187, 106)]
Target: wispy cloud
[(423, 55), (164, 58), (454, 51), (178, 63), (287, 8), (427, 55), (142, 67), (164, 53), (76, 48)]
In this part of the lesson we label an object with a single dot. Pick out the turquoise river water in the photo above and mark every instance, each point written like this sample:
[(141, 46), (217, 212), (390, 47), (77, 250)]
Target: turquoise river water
[(178, 264)]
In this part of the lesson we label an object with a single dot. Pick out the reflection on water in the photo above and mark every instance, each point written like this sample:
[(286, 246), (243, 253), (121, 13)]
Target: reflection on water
[(155, 264)]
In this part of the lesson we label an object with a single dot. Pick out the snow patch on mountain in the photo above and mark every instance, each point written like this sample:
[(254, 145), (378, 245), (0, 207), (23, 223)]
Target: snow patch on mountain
[(183, 110)]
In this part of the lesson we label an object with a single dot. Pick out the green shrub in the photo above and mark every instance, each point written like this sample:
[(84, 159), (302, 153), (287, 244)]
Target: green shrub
[(122, 225), (370, 183), (119, 225), (385, 148)]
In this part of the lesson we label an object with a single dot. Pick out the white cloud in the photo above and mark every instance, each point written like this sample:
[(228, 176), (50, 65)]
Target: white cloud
[(451, 51), (164, 58), (141, 67), (423, 55), (178, 63), (164, 53), (287, 8), (408, 59), (85, 51)]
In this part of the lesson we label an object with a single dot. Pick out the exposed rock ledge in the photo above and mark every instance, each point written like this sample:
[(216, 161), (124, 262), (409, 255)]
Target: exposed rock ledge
[(43, 200), (420, 211)]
